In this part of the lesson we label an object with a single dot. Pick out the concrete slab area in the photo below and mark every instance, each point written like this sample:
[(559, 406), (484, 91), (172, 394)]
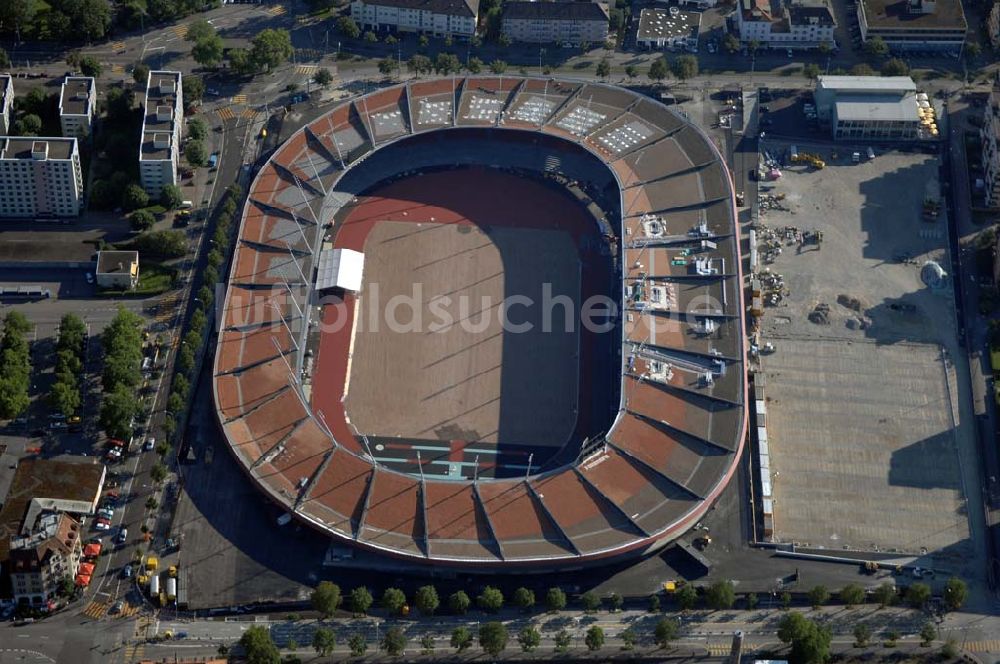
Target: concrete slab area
[(868, 425)]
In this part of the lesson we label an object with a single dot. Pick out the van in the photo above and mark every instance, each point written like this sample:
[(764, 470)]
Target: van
[(186, 205), (871, 154)]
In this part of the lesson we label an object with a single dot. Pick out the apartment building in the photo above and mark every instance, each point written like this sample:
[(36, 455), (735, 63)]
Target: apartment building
[(990, 137), (162, 126), (555, 22), (40, 177), (799, 24), (436, 17), (868, 107), (914, 25), (6, 102), (77, 103), (41, 558)]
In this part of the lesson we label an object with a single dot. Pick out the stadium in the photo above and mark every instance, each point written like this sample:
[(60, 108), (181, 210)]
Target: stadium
[(488, 322)]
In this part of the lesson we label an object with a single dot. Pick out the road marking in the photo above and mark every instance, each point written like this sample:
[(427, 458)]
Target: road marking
[(306, 69), (118, 46), (249, 114), (239, 99), (95, 610), (226, 113), (276, 10), (181, 30), (992, 645), (117, 69)]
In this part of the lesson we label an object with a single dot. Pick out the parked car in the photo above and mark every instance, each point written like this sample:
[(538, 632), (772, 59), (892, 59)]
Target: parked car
[(127, 572), (122, 536), (102, 524), (149, 444), (106, 512)]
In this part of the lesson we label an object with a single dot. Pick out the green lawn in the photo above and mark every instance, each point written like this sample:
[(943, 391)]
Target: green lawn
[(153, 280)]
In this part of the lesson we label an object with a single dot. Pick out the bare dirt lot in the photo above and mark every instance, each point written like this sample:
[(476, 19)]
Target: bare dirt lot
[(869, 450), (445, 368)]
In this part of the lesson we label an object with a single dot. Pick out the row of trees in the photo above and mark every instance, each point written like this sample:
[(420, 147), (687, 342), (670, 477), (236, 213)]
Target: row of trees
[(122, 344), (493, 637), (205, 296), (64, 396), (15, 365), (269, 48), (70, 21)]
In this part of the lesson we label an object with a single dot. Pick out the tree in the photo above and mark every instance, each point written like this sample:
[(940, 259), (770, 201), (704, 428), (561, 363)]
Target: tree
[(895, 67), (370, 37), (687, 597), (197, 130), (852, 594), (628, 637), (504, 40), (490, 600), (427, 644), (270, 48), (171, 197), (419, 64), (394, 641), (459, 602), (447, 63), (616, 602), (90, 66), (158, 472), (563, 640), (927, 634), (493, 638), (594, 638), (208, 51), (152, 503), (657, 70), (590, 601), (720, 595), (134, 197), (423, 41), (524, 598), (28, 125), (163, 448), (666, 631), (885, 595), (390, 40), (972, 50), (603, 68), (427, 600), (258, 648), (474, 65), (955, 592), (862, 632), (862, 69), (918, 595), (654, 604), (196, 153), (323, 77), (358, 644), (326, 598), (387, 66), (818, 596), (117, 410), (876, 47), (198, 29), (361, 600), (241, 62), (950, 649), (685, 67), (141, 220), (891, 636), (64, 397), (529, 638), (731, 43), (811, 70), (555, 599), (751, 601), (393, 601), (461, 638), (4, 58), (631, 71), (809, 641), (498, 67), (162, 244), (347, 27)]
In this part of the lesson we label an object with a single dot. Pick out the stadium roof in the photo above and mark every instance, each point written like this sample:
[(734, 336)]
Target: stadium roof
[(679, 430)]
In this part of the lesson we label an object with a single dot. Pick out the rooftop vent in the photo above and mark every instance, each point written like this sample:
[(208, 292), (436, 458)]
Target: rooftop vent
[(39, 150), (161, 141), (164, 113), (167, 86)]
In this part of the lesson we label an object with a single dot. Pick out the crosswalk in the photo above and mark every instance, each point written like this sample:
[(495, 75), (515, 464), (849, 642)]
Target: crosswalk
[(226, 113), (249, 114), (180, 30), (135, 652), (96, 610), (239, 99), (118, 46), (129, 610), (719, 649), (276, 10), (992, 645), (166, 308), (117, 69), (306, 69)]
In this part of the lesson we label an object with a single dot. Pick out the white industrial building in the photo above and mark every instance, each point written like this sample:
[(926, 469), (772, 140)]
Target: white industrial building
[(163, 119), (670, 28), (868, 107)]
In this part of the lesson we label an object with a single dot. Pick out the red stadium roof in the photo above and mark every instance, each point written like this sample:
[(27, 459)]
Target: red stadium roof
[(679, 431)]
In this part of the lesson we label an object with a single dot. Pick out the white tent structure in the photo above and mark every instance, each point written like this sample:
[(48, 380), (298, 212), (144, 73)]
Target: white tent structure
[(340, 268)]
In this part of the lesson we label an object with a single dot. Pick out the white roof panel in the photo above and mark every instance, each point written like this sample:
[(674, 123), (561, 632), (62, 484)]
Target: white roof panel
[(340, 268)]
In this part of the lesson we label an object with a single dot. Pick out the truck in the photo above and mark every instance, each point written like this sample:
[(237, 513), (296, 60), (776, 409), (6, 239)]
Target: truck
[(152, 564), (154, 585), (171, 588)]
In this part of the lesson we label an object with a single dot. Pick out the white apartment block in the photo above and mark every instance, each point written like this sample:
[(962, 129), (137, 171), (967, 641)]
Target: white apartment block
[(162, 123), (43, 557), (800, 24), (40, 177), (990, 136), (914, 25), (437, 17), (6, 102), (555, 22), (77, 102)]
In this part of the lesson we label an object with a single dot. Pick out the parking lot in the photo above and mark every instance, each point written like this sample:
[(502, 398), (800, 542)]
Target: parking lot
[(870, 449)]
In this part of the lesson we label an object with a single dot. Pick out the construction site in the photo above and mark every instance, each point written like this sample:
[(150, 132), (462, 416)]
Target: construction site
[(861, 443)]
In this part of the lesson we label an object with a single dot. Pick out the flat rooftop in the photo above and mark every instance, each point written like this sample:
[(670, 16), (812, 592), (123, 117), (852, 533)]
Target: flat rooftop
[(74, 98), (656, 23), (897, 15), (116, 262), (867, 84), (161, 91), (881, 108), (22, 148)]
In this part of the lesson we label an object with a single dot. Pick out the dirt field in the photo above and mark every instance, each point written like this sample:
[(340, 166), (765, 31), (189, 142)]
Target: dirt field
[(445, 369)]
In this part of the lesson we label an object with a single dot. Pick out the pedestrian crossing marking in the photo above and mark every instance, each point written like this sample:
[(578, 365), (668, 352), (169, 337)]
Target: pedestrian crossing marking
[(117, 69), (180, 30), (992, 645), (249, 113), (306, 69), (118, 46), (239, 99), (277, 10), (226, 113), (135, 652), (129, 610), (96, 610), (719, 650)]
